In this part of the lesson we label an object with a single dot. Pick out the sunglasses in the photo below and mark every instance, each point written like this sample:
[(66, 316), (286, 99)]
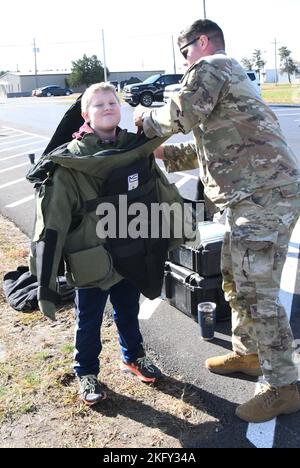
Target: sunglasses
[(185, 52)]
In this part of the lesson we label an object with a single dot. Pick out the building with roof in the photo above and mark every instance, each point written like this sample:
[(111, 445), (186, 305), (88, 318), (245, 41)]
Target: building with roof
[(22, 84)]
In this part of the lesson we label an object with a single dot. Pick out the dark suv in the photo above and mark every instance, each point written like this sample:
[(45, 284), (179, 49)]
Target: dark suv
[(150, 90)]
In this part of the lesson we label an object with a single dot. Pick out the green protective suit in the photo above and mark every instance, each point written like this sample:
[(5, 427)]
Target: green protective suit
[(71, 176)]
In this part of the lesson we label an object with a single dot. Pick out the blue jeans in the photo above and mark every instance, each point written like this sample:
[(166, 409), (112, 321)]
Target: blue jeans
[(89, 309)]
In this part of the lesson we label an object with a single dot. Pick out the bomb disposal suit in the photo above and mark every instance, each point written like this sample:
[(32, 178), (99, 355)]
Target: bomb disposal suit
[(76, 179)]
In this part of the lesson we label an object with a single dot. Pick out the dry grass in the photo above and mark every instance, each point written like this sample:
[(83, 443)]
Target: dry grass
[(39, 405), (281, 93)]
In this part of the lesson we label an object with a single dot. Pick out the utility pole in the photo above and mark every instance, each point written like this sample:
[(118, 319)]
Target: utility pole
[(276, 69), (173, 49), (204, 9), (35, 50), (104, 59)]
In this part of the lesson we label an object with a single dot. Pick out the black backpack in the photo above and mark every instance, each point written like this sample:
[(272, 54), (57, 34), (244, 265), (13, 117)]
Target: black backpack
[(20, 289)]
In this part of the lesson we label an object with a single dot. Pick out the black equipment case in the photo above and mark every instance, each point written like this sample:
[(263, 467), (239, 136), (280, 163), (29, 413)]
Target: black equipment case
[(185, 289), (206, 260)]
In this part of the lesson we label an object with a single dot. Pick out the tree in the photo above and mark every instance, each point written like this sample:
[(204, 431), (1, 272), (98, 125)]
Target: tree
[(287, 64), (2, 72), (86, 71), (258, 61), (247, 63)]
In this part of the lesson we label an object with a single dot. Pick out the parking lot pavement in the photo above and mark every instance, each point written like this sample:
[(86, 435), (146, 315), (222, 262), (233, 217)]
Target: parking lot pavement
[(16, 194)]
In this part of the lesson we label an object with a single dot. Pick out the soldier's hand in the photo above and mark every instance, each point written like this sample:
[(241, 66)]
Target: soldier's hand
[(138, 115), (48, 309)]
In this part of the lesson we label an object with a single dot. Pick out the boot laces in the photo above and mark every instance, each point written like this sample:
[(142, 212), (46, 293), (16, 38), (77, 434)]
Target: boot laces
[(145, 362), (88, 383), (231, 357), (268, 395)]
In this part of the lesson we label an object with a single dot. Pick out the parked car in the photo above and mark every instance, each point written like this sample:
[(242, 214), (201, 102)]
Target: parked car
[(173, 89), (150, 90), (253, 77), (115, 84), (53, 90)]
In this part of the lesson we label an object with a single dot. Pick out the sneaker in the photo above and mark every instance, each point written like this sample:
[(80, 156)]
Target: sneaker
[(233, 362), (143, 368), (90, 390), (269, 403)]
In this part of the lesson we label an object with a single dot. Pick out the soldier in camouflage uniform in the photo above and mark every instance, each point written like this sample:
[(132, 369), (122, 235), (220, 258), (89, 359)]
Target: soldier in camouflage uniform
[(247, 168)]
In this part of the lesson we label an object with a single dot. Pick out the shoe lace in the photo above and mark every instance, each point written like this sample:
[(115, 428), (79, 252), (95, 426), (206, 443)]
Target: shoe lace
[(231, 357), (146, 363), (88, 383), (268, 395)]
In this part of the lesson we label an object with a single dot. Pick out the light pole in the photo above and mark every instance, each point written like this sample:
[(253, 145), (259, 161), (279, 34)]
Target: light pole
[(276, 69), (35, 50), (104, 60), (204, 9), (173, 49)]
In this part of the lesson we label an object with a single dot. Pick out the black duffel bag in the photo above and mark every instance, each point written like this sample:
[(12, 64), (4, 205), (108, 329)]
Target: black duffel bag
[(20, 289)]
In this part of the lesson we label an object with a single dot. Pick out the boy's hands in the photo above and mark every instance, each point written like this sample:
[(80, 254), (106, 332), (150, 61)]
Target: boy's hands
[(139, 114), (159, 153), (48, 309)]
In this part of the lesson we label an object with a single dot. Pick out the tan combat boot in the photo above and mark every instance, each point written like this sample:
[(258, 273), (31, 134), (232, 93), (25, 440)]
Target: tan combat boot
[(269, 403), (233, 362)]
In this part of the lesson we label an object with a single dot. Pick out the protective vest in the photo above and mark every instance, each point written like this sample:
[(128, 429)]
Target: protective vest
[(141, 260)]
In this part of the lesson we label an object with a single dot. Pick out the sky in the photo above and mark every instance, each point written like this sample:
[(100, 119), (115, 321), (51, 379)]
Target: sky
[(138, 34)]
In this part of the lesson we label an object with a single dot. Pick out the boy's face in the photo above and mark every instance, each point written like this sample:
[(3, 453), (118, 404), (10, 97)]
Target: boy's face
[(104, 111)]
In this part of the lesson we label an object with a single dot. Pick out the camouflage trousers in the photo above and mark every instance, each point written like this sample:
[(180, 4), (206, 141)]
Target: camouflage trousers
[(253, 256)]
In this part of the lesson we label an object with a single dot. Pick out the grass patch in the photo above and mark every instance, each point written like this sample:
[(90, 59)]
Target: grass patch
[(68, 349), (281, 93), (43, 355)]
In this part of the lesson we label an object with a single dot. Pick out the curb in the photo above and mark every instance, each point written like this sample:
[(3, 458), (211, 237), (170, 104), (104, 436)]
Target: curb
[(273, 104)]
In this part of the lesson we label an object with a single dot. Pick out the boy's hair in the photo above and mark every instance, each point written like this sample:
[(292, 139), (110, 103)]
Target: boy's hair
[(206, 27), (91, 90)]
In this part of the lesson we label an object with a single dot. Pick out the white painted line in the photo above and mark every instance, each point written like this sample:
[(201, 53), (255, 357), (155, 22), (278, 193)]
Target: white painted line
[(27, 133), (8, 130), (263, 435), (20, 138), (20, 202), (19, 146), (148, 308), (8, 184), (13, 135), (190, 175), (288, 115), (14, 167), (183, 181), (35, 150)]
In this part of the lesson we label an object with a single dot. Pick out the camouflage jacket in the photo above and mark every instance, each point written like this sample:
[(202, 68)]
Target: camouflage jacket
[(238, 141)]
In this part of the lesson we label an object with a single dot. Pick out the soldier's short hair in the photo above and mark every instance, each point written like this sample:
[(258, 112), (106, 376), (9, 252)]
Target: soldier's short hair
[(206, 27), (91, 90)]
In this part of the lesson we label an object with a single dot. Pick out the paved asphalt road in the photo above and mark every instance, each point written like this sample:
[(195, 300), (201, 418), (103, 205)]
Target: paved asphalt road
[(26, 125)]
